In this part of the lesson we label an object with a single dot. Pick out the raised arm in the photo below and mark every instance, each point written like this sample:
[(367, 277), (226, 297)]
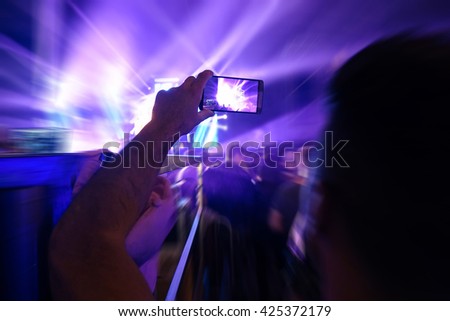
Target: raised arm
[(88, 258)]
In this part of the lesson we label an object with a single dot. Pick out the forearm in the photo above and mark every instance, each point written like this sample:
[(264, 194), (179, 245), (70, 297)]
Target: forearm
[(88, 258), (91, 234), (132, 177)]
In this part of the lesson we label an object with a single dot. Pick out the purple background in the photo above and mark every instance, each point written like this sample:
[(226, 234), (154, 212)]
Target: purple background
[(82, 65)]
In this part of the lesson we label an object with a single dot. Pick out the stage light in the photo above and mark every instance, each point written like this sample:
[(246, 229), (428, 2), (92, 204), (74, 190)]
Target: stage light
[(165, 83), (222, 127), (142, 110), (223, 116), (93, 82), (114, 149)]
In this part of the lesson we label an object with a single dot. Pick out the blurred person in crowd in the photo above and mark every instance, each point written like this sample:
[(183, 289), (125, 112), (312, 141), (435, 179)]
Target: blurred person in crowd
[(380, 225), (243, 157), (285, 211), (237, 263), (285, 202)]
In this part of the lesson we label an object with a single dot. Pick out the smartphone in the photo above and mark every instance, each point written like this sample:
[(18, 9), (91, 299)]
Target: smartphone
[(231, 94)]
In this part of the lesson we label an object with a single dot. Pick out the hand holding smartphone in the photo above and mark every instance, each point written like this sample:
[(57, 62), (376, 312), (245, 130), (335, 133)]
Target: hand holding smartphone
[(230, 94)]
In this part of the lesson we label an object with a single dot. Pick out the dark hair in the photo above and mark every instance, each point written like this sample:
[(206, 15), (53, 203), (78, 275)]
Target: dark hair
[(237, 264), (390, 102), (229, 191)]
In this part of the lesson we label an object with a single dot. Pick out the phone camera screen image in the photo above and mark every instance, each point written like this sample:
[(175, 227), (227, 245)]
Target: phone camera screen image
[(229, 94)]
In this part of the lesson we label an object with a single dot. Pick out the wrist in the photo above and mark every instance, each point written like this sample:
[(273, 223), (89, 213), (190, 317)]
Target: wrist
[(158, 132)]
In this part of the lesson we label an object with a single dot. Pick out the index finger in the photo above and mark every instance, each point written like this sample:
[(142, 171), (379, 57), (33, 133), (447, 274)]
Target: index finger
[(202, 78)]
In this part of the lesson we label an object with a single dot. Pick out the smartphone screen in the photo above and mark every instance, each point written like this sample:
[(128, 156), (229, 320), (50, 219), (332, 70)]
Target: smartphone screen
[(230, 94)]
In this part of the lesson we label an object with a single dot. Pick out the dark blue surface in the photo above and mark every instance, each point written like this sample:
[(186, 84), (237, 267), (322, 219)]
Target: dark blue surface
[(34, 192)]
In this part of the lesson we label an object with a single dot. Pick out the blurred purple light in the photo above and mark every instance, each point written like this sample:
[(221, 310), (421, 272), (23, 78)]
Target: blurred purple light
[(88, 66), (237, 94)]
